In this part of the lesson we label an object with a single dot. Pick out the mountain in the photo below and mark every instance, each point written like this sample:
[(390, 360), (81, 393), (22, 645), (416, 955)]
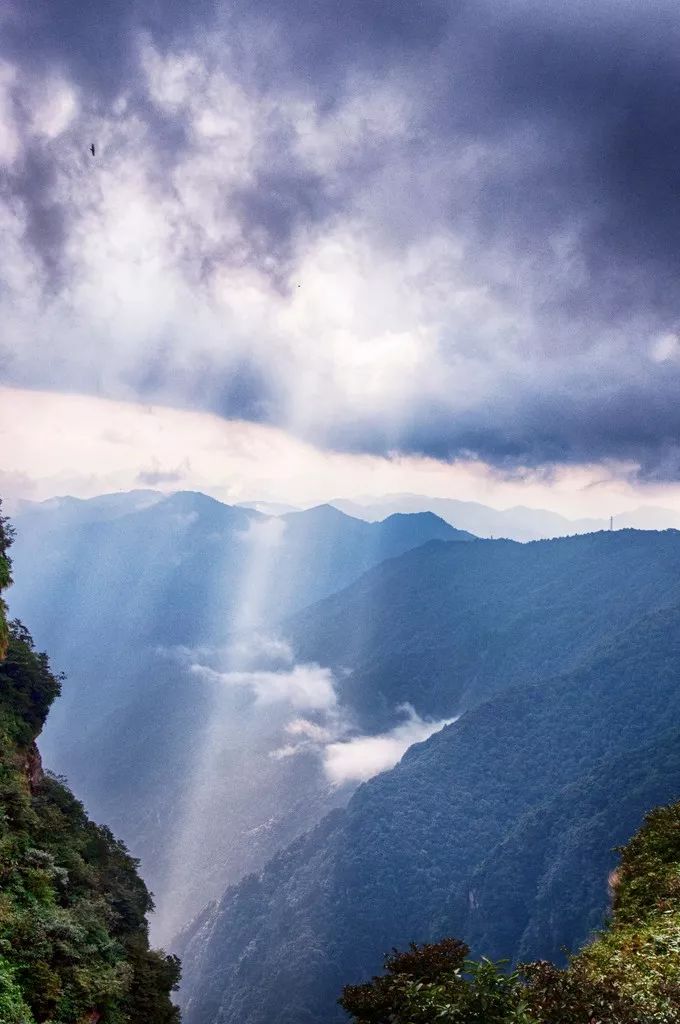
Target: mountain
[(518, 523), (446, 625), (173, 569), (627, 974), (138, 597), (407, 857), (69, 511), (73, 930), (572, 840)]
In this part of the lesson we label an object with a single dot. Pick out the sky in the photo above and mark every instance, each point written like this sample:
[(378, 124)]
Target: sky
[(331, 249)]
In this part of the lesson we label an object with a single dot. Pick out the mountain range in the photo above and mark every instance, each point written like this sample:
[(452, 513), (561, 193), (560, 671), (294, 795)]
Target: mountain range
[(144, 602), (516, 523), (235, 677)]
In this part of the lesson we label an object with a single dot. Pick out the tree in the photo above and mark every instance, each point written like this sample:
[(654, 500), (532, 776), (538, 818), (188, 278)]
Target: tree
[(436, 982)]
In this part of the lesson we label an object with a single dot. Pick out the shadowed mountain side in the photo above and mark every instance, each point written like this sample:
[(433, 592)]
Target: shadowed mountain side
[(446, 625), (384, 871), (545, 886)]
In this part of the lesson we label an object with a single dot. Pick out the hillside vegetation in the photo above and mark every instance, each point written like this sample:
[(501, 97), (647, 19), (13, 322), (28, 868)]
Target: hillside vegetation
[(73, 933)]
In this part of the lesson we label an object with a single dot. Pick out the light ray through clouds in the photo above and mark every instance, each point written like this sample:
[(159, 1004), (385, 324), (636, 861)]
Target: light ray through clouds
[(194, 816)]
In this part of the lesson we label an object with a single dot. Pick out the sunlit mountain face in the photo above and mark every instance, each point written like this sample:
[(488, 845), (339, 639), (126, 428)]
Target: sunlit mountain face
[(340, 432)]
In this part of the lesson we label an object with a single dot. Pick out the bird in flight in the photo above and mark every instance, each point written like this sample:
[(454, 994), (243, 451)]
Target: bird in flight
[(92, 149)]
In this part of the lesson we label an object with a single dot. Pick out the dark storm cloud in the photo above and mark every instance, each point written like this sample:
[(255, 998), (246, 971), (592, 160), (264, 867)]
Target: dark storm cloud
[(45, 217), (598, 95), (637, 425), (577, 111), (95, 43)]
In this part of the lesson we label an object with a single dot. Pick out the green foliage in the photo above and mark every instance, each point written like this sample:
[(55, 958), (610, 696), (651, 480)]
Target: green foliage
[(629, 974), (436, 982), (73, 931), (6, 537), (27, 686)]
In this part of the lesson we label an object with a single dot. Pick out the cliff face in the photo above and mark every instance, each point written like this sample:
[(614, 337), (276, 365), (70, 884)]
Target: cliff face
[(73, 933)]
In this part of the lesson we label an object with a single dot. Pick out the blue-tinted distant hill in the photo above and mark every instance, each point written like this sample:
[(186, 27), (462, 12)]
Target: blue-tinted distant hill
[(517, 523), (173, 569)]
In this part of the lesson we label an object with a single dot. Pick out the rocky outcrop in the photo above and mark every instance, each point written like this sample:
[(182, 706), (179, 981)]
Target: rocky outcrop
[(33, 768)]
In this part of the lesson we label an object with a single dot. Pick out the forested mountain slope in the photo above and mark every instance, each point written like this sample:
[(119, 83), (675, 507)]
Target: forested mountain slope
[(629, 974), (403, 860), (73, 930), (446, 625), (560, 855)]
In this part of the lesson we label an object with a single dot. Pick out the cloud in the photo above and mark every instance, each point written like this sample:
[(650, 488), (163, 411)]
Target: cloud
[(361, 757), (325, 730), (445, 230), (308, 687), (266, 533), (351, 758), (253, 650), (98, 446), (155, 474)]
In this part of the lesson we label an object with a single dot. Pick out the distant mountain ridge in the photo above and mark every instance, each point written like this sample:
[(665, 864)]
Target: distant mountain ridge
[(517, 523)]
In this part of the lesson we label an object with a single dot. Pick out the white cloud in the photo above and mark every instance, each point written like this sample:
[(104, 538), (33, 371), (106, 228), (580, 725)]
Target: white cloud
[(353, 759), (666, 348), (295, 245), (310, 730), (305, 687), (246, 650), (54, 108), (260, 647), (163, 285), (361, 757), (266, 533)]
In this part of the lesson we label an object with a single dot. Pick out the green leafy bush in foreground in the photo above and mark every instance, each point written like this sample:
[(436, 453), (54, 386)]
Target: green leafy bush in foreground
[(629, 974), (73, 933)]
